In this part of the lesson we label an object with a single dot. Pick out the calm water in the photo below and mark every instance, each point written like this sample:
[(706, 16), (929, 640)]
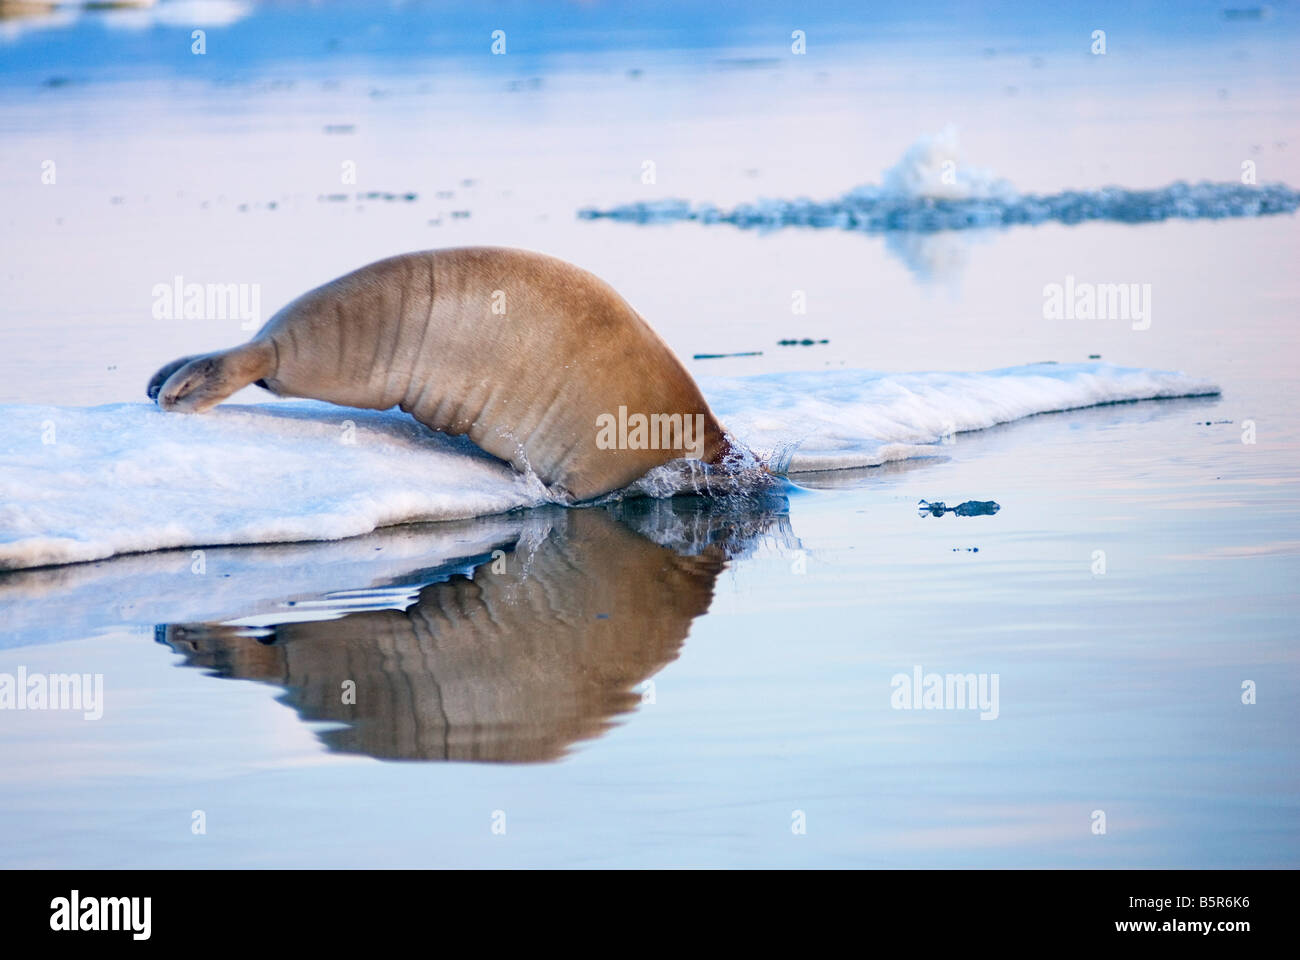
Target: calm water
[(679, 683)]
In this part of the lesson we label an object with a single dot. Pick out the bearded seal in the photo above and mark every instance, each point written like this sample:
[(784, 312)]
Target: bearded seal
[(539, 362)]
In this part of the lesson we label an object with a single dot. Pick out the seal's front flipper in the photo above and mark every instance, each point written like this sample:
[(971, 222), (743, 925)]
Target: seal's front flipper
[(196, 384), (159, 378)]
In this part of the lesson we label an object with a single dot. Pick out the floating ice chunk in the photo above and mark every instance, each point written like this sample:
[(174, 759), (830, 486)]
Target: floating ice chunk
[(934, 167), (79, 484), (930, 189)]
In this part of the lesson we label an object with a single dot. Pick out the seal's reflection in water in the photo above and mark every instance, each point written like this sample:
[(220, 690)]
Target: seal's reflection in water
[(517, 657)]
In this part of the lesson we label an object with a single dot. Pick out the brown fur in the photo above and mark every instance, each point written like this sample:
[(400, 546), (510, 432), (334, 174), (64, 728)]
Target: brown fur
[(419, 331)]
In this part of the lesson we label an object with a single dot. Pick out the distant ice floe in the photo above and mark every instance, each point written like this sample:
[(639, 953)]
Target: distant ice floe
[(929, 190), (176, 13), (81, 484), (19, 18)]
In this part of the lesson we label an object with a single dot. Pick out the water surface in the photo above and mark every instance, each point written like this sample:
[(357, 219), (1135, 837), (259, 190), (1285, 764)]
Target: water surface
[(678, 683)]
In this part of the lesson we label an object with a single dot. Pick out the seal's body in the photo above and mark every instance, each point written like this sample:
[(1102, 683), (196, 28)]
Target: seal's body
[(526, 354)]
